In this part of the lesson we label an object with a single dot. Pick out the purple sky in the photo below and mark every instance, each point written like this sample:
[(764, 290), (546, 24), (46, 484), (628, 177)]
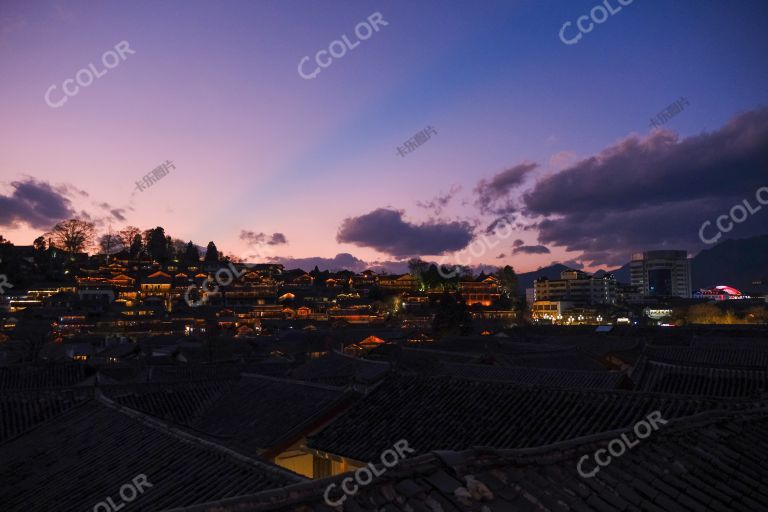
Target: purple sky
[(555, 137)]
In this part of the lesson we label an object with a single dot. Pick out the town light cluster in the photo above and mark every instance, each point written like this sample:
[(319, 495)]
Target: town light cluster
[(737, 214), (128, 492), (86, 76), (365, 475), (598, 14), (222, 277), (339, 47), (619, 446), (477, 249)]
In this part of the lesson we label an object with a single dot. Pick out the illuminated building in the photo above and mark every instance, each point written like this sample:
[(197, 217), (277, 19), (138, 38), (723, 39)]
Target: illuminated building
[(577, 287), (661, 273), (719, 293)]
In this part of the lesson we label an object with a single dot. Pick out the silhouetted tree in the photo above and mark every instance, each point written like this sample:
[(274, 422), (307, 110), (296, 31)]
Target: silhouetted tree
[(110, 243), (211, 253), (73, 235), (38, 244), (157, 245), (136, 246), (127, 235), (451, 316), (191, 254), (508, 280)]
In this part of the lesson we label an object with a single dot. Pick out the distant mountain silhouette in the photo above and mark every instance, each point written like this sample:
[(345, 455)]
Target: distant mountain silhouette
[(735, 263), (526, 279)]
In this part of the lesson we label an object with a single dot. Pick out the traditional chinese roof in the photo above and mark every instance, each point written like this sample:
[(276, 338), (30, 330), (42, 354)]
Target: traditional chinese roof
[(698, 380), (711, 461), (81, 457), (455, 414), (21, 411), (721, 357), (340, 369), (43, 376), (549, 377), (250, 415)]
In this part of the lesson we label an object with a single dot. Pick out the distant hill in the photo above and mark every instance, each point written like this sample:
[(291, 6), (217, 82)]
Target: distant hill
[(526, 280), (735, 263)]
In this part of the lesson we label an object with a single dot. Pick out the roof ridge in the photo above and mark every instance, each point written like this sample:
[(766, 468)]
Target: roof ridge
[(189, 438), (45, 422), (293, 381), (356, 359)]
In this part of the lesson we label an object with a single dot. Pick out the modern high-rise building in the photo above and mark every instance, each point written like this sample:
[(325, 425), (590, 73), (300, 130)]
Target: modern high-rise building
[(661, 273), (577, 287)]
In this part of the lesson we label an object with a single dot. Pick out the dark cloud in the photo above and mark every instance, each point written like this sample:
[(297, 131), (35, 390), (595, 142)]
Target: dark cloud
[(573, 264), (386, 231), (118, 213), (518, 243), (254, 238), (530, 249), (35, 203), (653, 192), (499, 222), (437, 204), (500, 256), (342, 261), (493, 195)]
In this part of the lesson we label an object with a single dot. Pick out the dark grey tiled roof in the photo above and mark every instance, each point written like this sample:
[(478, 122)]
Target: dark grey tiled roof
[(43, 376), (250, 415), (21, 411), (567, 360), (83, 456), (569, 379), (720, 357), (699, 380), (713, 461), (454, 414), (340, 370), (180, 403)]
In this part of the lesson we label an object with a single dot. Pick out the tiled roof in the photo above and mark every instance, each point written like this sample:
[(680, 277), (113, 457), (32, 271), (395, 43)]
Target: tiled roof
[(44, 376), (340, 370), (179, 402), (567, 360), (453, 414), (249, 416), (721, 357), (709, 462), (699, 380), (85, 455), (21, 411), (569, 379)]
